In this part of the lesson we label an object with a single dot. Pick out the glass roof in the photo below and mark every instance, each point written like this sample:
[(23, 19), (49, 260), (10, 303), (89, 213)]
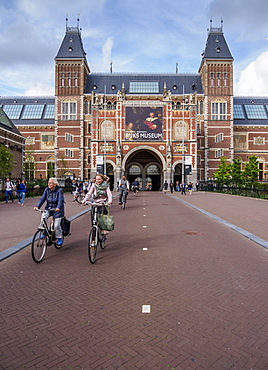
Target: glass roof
[(13, 111), (33, 111), (3, 119), (144, 87), (238, 112), (255, 111), (50, 111)]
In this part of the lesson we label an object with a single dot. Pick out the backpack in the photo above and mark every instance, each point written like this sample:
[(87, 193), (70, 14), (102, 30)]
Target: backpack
[(66, 226)]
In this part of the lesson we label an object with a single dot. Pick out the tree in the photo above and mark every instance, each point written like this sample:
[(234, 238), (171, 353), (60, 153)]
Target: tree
[(7, 162), (236, 173), (222, 175), (251, 171), (62, 167)]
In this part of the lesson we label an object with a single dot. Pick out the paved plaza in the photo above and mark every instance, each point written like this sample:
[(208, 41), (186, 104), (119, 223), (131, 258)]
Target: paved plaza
[(182, 284)]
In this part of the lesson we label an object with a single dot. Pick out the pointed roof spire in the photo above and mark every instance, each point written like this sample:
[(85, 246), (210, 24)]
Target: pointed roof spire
[(72, 45), (216, 46)]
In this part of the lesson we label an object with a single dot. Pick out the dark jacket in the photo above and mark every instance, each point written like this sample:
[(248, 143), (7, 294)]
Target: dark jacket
[(54, 199)]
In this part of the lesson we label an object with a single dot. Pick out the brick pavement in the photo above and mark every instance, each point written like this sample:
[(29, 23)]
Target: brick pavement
[(206, 286), (19, 223)]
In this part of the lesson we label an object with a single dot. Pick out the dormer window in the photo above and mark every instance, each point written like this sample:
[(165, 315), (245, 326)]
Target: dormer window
[(70, 49), (218, 49)]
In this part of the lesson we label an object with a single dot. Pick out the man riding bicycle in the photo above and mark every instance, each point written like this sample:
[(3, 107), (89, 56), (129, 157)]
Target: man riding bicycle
[(136, 186), (123, 186), (53, 195)]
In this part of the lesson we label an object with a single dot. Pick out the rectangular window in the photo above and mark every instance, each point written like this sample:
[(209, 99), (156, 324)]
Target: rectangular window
[(144, 87), (218, 153), (218, 111), (219, 138), (69, 137), (68, 111), (69, 153)]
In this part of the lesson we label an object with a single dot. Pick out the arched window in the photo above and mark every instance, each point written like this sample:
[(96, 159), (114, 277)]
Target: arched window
[(107, 130), (180, 131), (69, 109), (134, 170), (50, 167), (219, 109), (153, 169), (29, 167)]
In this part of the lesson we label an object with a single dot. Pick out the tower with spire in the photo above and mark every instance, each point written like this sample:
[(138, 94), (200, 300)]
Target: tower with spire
[(71, 71), (216, 72)]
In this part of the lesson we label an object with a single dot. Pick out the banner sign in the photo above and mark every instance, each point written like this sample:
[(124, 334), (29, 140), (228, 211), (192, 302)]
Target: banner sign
[(144, 124)]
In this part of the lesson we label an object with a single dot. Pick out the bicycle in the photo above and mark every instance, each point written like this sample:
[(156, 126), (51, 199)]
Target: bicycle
[(96, 236), (135, 190), (44, 237)]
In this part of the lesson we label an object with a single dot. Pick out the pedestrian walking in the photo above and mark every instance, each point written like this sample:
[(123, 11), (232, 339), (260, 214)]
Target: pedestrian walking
[(171, 185), (21, 191), (165, 187), (197, 185), (183, 188), (9, 187), (177, 186), (190, 188)]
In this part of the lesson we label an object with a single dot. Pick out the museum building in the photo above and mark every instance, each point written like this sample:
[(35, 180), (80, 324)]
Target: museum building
[(155, 127)]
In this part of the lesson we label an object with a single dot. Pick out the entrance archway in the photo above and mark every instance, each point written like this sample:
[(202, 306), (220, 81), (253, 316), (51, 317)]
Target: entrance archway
[(145, 165), (178, 174), (110, 174)]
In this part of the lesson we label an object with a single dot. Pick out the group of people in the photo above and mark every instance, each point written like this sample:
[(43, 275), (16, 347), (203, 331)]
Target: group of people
[(19, 187), (180, 187)]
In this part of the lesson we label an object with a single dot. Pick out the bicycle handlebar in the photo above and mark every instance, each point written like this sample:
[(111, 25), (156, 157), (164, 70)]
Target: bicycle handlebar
[(45, 210), (100, 205)]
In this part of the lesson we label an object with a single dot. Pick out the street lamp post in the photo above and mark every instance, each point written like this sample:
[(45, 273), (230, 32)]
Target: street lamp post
[(104, 162), (182, 152)]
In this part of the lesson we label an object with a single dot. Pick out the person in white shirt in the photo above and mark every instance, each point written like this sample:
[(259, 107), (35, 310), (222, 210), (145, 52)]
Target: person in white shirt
[(9, 186)]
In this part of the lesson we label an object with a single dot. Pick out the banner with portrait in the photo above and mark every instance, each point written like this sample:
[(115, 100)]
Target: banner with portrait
[(144, 124)]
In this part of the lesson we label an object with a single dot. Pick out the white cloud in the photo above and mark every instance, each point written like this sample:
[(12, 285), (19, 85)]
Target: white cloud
[(253, 80), (107, 53)]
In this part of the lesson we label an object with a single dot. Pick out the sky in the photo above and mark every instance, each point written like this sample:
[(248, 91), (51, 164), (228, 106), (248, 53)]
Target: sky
[(138, 36)]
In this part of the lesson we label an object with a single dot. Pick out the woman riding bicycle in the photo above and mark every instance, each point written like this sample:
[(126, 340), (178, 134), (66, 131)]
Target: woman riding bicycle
[(53, 195), (101, 193)]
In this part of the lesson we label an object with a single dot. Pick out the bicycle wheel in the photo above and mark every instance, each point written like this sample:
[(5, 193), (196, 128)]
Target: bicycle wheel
[(103, 240), (93, 244), (39, 246), (79, 198)]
